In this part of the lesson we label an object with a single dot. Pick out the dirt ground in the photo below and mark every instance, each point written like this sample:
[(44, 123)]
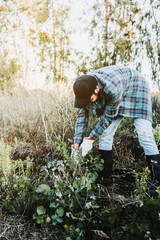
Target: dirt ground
[(15, 227)]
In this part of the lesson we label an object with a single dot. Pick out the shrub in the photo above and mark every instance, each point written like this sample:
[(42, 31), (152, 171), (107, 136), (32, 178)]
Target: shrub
[(70, 196), (16, 177), (156, 132), (156, 110), (5, 161)]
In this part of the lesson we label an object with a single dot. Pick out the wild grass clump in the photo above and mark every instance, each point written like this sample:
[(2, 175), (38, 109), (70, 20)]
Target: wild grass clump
[(31, 120), (5, 161)]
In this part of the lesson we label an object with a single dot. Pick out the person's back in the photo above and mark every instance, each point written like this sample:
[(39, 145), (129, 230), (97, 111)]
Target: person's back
[(127, 90)]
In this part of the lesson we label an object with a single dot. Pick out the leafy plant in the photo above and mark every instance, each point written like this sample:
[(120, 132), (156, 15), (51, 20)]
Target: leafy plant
[(72, 195), (156, 132), (5, 161), (141, 186), (17, 188)]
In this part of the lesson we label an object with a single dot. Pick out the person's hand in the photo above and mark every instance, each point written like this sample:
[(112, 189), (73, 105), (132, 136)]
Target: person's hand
[(75, 152), (76, 146), (86, 145)]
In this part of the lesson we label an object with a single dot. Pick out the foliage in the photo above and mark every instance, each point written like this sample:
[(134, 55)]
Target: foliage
[(5, 161), (149, 36), (36, 35), (114, 40), (156, 110), (122, 32), (73, 199), (156, 132), (8, 73), (15, 183), (141, 185), (72, 194), (143, 222), (17, 193), (68, 195)]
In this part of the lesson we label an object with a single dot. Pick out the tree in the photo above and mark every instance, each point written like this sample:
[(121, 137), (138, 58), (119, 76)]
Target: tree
[(113, 30), (9, 67), (53, 41), (123, 32), (36, 34), (8, 73), (147, 44)]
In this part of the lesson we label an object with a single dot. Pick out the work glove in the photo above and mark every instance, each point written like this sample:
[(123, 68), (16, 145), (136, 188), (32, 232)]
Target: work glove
[(75, 153), (86, 145)]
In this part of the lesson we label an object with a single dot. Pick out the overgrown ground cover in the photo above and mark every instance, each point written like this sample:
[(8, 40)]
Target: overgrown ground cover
[(44, 194)]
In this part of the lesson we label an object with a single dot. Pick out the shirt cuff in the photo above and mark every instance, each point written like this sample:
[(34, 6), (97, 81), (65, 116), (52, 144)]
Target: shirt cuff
[(77, 139), (92, 136)]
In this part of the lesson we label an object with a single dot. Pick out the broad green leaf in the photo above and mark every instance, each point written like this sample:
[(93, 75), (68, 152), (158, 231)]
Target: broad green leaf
[(54, 205), (54, 223), (41, 210), (49, 164), (34, 216), (59, 162), (48, 219), (60, 212), (61, 168), (40, 220), (54, 217), (43, 168), (43, 188), (59, 220)]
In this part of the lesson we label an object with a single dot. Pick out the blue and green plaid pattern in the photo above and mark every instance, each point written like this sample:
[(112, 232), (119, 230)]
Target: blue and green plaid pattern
[(123, 91)]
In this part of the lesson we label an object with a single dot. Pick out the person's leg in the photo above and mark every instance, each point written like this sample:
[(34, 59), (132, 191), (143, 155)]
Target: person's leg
[(106, 139), (147, 141), (105, 148), (145, 136)]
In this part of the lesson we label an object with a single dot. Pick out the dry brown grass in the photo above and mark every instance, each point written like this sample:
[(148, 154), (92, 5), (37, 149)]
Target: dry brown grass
[(31, 121)]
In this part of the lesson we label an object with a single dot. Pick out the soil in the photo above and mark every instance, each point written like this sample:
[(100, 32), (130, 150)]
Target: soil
[(15, 227)]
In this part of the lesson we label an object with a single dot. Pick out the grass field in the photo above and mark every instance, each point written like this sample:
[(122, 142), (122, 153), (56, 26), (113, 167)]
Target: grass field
[(44, 194)]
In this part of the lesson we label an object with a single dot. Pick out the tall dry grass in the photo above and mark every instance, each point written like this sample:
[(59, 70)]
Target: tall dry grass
[(31, 120)]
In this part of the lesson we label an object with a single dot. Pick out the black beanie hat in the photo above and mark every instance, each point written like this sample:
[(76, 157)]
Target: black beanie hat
[(83, 88)]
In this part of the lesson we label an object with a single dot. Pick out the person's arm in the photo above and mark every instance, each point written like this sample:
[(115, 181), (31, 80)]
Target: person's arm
[(100, 127), (81, 126), (113, 99)]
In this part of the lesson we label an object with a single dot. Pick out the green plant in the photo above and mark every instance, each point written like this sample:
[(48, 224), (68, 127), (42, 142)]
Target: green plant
[(17, 189), (141, 186), (141, 217), (5, 161), (71, 195), (156, 132)]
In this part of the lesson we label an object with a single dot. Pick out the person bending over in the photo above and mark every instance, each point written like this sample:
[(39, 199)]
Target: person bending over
[(112, 93)]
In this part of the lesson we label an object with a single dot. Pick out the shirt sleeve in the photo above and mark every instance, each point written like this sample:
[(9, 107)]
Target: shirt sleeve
[(113, 99), (81, 124), (100, 127)]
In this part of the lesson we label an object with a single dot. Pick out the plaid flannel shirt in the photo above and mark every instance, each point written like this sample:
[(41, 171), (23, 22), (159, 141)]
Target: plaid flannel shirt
[(123, 92)]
